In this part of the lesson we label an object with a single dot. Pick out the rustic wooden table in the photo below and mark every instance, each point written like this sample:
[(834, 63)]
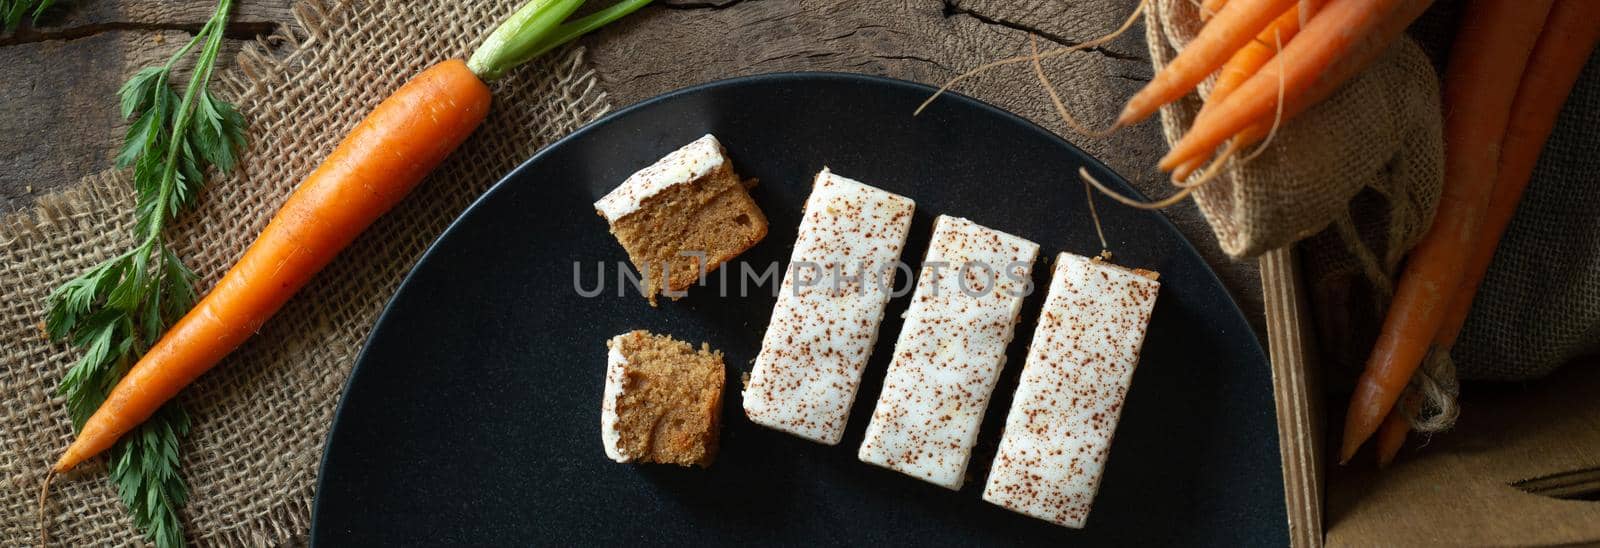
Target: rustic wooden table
[(59, 78)]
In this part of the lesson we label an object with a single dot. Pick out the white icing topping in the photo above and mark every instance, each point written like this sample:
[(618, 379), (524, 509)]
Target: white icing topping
[(950, 351), (691, 162), (826, 319), (616, 375), (1079, 367)]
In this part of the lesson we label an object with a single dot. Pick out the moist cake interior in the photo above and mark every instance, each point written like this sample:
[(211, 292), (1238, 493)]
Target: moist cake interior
[(714, 215), (671, 401)]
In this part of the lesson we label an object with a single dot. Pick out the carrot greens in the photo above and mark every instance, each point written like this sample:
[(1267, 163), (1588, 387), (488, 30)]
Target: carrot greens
[(12, 12), (117, 308), (120, 393)]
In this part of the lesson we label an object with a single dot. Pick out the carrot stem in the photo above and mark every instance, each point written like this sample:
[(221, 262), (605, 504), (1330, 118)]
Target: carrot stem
[(520, 37), (571, 30)]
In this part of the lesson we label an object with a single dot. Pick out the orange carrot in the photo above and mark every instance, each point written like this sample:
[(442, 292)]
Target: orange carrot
[(1244, 64), (1491, 49), (1341, 39), (1392, 436), (1570, 34), (1309, 8), (376, 165), (1233, 27), (1209, 8), (386, 155)]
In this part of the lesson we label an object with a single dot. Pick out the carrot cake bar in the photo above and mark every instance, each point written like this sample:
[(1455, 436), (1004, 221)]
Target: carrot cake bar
[(1067, 404), (829, 307), (950, 351), (662, 400), (683, 217)]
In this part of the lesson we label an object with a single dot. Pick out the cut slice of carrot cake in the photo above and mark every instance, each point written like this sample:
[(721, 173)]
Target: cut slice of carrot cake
[(662, 400), (950, 351), (826, 319), (682, 217), (1065, 411)]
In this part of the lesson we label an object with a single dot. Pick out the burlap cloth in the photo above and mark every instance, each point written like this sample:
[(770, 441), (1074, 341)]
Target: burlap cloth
[(263, 414), (1538, 308)]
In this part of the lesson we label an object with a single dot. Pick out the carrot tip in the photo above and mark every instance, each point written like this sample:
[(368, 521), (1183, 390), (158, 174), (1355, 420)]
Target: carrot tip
[(1384, 459), (1127, 118), (1351, 445)]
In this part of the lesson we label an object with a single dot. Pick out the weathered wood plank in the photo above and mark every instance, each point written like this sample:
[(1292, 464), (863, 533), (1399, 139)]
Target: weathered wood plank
[(76, 13), (62, 121), (60, 82)]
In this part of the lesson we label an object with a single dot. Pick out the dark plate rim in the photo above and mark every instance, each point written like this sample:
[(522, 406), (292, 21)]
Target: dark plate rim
[(1105, 174)]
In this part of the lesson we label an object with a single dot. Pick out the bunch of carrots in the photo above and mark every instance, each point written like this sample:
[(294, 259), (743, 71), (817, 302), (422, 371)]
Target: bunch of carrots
[(1513, 64), (1273, 59), (1510, 70), (372, 169)]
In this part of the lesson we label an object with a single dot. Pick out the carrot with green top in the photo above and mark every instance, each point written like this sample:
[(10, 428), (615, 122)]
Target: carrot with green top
[(1491, 50), (376, 165)]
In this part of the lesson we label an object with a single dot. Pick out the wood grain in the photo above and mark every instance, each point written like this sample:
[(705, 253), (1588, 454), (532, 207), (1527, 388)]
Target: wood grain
[(1297, 389), (60, 80)]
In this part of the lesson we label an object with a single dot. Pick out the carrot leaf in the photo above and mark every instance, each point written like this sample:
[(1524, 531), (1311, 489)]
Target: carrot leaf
[(144, 467), (116, 309)]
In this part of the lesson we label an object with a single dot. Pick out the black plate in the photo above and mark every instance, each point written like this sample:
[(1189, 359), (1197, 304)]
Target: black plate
[(472, 417)]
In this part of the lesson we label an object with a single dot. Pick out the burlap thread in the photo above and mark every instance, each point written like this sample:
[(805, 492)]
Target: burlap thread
[(260, 418)]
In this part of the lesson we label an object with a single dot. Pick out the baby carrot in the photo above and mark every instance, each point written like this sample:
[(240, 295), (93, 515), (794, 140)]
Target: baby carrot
[(1491, 49), (1341, 39), (1559, 57), (1227, 31), (1244, 64)]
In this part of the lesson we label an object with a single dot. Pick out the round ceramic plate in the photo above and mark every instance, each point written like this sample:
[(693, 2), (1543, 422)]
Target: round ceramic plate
[(472, 417)]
